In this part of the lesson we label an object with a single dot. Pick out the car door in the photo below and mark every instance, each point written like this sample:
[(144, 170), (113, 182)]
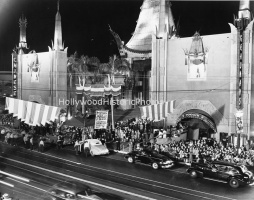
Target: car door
[(224, 172), (210, 171), (144, 157)]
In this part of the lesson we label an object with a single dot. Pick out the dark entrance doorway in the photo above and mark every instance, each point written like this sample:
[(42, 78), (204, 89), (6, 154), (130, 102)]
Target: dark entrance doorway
[(199, 124)]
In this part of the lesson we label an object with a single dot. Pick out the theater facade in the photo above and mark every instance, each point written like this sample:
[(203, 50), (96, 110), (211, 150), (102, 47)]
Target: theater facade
[(210, 77)]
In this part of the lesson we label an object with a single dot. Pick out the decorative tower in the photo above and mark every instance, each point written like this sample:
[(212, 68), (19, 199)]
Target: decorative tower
[(58, 45), (242, 73), (165, 30), (22, 37)]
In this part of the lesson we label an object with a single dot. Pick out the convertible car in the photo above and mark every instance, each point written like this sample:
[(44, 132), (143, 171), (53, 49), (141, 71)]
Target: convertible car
[(96, 147), (150, 157), (233, 174)]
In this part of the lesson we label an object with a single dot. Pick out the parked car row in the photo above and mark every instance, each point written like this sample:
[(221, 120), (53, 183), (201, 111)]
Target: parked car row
[(233, 174), (149, 157)]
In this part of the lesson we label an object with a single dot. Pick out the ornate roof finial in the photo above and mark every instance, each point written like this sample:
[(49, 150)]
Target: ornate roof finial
[(58, 5)]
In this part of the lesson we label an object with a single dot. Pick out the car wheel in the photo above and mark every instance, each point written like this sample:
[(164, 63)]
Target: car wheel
[(155, 166), (130, 160), (234, 183), (193, 174), (91, 152)]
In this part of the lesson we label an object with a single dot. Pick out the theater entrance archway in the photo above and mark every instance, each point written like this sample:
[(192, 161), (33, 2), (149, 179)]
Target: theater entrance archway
[(204, 105), (198, 123)]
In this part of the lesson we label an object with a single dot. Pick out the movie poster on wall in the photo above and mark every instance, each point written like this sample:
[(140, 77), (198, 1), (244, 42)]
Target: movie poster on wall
[(101, 119), (239, 121)]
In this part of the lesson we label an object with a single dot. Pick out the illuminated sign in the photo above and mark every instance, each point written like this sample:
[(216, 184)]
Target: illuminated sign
[(198, 116), (14, 74), (239, 71)]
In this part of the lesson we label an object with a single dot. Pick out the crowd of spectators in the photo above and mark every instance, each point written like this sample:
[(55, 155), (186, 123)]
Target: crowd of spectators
[(140, 132), (207, 150)]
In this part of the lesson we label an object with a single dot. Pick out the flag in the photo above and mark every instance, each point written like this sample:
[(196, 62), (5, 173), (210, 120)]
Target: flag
[(38, 123), (28, 112), (11, 105), (21, 106), (159, 111), (36, 114), (16, 107), (44, 116), (7, 103)]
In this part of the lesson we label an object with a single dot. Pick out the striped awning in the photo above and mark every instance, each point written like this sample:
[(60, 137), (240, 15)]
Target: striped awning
[(33, 114), (100, 90), (159, 111)]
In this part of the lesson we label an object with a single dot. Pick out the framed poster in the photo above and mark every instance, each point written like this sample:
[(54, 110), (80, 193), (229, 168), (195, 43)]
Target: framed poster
[(101, 119)]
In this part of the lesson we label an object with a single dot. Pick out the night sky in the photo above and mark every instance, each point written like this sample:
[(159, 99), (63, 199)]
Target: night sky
[(85, 23)]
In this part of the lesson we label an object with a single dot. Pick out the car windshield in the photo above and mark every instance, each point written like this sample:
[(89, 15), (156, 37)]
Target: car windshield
[(243, 168), (95, 142), (61, 194)]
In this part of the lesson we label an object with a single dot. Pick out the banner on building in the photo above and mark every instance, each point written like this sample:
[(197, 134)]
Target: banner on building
[(33, 114), (101, 119), (159, 111), (239, 121)]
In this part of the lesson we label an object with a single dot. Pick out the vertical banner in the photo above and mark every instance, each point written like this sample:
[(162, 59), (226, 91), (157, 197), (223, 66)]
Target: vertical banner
[(14, 74), (239, 82), (239, 121), (101, 119)]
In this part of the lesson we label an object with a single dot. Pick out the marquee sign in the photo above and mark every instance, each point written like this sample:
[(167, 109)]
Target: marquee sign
[(14, 74), (198, 116), (239, 71)]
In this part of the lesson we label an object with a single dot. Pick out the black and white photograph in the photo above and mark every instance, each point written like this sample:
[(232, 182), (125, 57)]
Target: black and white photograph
[(126, 99)]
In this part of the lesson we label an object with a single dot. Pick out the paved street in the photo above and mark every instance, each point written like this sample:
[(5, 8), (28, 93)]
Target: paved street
[(111, 174)]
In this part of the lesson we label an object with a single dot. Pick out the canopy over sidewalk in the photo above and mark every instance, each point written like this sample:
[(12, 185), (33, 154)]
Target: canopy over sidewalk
[(33, 114)]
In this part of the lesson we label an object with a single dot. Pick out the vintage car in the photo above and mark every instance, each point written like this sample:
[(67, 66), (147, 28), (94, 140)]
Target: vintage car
[(233, 174), (72, 190), (96, 147), (150, 157)]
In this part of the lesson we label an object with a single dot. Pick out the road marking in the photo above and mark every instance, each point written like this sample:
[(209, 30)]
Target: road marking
[(5, 183), (14, 176), (29, 185), (151, 180), (90, 177), (179, 187), (79, 179)]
